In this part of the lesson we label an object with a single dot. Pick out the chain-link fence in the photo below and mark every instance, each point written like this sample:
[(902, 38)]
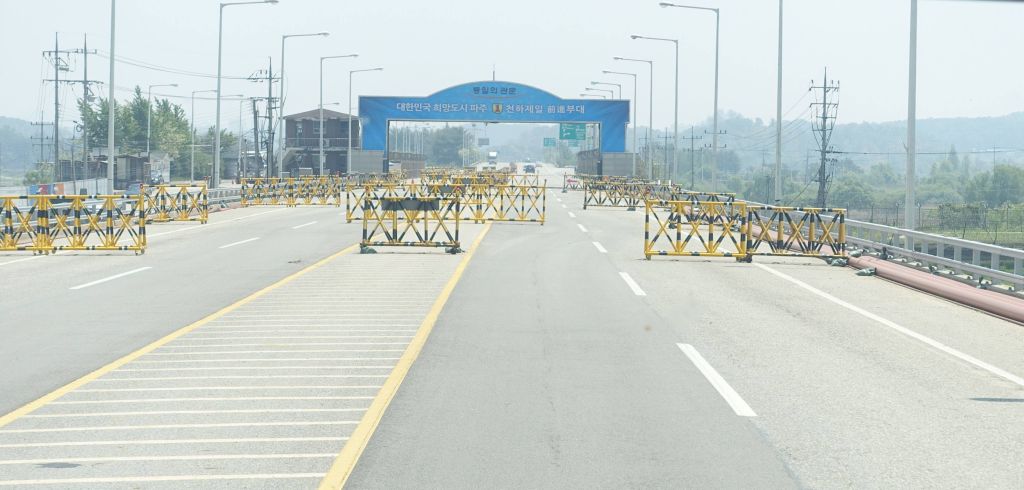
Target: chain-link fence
[(1002, 225)]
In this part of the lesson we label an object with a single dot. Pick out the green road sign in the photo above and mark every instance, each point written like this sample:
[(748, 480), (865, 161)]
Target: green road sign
[(549, 142), (572, 131), (574, 143)]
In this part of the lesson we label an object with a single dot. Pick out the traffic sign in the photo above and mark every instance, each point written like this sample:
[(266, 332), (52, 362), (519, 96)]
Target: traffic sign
[(549, 142), (572, 131)]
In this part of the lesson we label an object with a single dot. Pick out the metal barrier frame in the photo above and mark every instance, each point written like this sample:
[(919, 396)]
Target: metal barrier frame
[(691, 216)]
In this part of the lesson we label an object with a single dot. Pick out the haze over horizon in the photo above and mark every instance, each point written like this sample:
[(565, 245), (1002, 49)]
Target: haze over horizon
[(558, 47)]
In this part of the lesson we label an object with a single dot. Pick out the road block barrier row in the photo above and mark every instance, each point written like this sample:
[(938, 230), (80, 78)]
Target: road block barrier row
[(177, 202), (478, 202), (742, 230), (795, 231), (292, 191), (50, 223), (703, 229), (419, 221)]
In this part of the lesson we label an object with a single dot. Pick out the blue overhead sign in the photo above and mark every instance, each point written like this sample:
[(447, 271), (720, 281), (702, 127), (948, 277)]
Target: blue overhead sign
[(493, 101)]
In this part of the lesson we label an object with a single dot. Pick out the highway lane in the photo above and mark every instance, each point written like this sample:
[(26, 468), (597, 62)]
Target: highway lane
[(845, 399), (263, 393), (53, 334), (547, 371)]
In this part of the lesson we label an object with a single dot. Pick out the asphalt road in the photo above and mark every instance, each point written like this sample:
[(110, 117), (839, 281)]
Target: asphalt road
[(561, 359), (53, 334), (548, 370)]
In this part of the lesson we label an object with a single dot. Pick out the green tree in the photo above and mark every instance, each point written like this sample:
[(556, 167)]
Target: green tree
[(444, 145), (1003, 185)]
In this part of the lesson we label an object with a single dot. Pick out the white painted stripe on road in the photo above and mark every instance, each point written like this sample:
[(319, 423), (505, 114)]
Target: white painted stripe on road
[(564, 206), (208, 225), (111, 278), (258, 376), (15, 261), (558, 199), (190, 412), (278, 344), (143, 442), (229, 368), (581, 227), (189, 457), (247, 240), (901, 329), (304, 225), (180, 426), (143, 479), (731, 397), (269, 359), (572, 215), (268, 352), (266, 337), (232, 388), (208, 399), (632, 284), (600, 248)]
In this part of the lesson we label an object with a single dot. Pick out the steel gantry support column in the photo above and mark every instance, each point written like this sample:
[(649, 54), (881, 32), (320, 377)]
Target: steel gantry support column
[(348, 152), (634, 102)]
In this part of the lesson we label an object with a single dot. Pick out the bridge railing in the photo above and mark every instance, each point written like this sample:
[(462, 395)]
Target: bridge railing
[(1001, 265)]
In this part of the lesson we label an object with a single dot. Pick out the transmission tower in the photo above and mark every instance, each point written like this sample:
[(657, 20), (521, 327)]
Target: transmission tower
[(824, 123)]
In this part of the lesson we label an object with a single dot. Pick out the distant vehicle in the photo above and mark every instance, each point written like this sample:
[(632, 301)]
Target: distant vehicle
[(156, 178), (513, 167), (529, 169), (492, 157)]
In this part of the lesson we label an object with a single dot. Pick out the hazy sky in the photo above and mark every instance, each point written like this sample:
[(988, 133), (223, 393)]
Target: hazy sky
[(970, 52)]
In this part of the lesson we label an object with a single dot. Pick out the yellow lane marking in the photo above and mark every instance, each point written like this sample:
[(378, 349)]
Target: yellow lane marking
[(78, 383), (346, 461)]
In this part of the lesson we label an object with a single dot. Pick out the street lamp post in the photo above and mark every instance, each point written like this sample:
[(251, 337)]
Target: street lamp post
[(110, 105), (607, 72), (714, 134), (321, 105), (909, 221), (618, 85), (149, 111), (778, 117), (650, 115), (192, 127), (675, 128), (280, 98), (611, 93), (220, 45), (348, 152)]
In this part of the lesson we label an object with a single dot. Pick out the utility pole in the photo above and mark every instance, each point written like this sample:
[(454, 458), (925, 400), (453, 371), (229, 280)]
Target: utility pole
[(42, 140), (87, 98), (256, 136), (270, 100), (824, 123), (59, 64), (693, 139)]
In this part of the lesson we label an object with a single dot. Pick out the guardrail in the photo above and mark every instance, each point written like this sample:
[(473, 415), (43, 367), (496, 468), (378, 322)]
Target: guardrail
[(975, 259)]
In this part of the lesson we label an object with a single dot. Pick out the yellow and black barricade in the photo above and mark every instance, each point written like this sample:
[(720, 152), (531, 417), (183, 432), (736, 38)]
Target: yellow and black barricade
[(608, 194), (796, 232), (271, 191), (509, 203), (702, 229), (177, 202), (78, 222), (410, 221)]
